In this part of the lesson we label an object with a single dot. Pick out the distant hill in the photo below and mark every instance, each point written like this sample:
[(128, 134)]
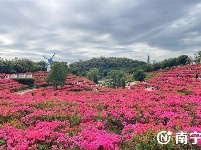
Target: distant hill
[(105, 65)]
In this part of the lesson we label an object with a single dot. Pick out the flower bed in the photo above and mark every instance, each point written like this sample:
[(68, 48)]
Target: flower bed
[(10, 85), (105, 119)]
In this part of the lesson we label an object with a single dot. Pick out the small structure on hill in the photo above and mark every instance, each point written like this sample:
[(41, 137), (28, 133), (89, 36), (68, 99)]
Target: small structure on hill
[(14, 76)]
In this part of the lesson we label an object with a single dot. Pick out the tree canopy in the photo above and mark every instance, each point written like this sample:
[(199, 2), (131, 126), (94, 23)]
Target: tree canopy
[(57, 75), (21, 65), (139, 75), (104, 65), (166, 63), (117, 78), (93, 75), (197, 57)]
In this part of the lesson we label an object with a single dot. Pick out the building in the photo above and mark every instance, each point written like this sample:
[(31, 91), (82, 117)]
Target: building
[(153, 61), (14, 76)]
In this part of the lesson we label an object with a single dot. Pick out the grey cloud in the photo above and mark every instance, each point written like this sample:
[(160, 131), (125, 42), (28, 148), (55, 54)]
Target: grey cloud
[(83, 29)]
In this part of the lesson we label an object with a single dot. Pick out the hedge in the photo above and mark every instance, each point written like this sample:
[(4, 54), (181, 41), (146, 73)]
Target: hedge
[(25, 81)]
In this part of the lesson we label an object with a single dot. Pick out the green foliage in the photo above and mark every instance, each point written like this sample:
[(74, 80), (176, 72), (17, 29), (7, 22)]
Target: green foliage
[(182, 60), (152, 75), (129, 78), (185, 92), (75, 120), (189, 60), (114, 126), (57, 75), (139, 75), (147, 67), (42, 146), (197, 57), (123, 82), (104, 65), (21, 65), (117, 78), (25, 81), (93, 75), (2, 142), (39, 66), (167, 63)]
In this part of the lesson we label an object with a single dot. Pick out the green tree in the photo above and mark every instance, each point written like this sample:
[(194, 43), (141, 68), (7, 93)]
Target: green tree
[(40, 66), (197, 57), (21, 65), (93, 75), (157, 66), (113, 77), (147, 67), (139, 75), (57, 75), (123, 82), (104, 65), (117, 78), (182, 60), (189, 60), (104, 73)]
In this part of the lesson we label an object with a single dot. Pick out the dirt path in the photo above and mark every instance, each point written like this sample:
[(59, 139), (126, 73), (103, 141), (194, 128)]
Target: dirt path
[(27, 90), (22, 92)]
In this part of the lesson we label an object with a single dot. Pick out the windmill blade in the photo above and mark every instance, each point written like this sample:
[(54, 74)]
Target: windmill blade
[(53, 55), (45, 57)]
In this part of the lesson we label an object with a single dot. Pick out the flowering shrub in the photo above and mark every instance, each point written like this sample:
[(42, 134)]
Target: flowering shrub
[(108, 119), (39, 78), (72, 82), (10, 85)]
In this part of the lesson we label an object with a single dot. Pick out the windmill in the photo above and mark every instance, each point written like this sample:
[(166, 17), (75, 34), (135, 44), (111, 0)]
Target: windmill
[(49, 61)]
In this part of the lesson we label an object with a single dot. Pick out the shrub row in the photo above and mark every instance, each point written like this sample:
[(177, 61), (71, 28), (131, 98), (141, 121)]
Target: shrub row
[(26, 81)]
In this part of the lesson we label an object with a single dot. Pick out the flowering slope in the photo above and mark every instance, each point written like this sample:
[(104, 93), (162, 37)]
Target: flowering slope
[(108, 119)]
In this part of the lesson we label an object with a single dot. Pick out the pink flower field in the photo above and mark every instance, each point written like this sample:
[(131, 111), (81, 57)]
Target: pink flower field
[(106, 119)]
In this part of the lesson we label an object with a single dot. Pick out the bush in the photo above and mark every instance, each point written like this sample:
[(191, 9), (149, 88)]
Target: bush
[(25, 81), (139, 75)]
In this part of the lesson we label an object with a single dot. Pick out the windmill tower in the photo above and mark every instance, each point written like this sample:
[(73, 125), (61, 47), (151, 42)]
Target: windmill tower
[(49, 61)]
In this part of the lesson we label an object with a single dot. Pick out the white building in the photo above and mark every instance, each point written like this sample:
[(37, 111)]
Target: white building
[(153, 61), (20, 75)]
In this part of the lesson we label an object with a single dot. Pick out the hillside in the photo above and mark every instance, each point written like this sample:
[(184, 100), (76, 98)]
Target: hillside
[(105, 65), (168, 81), (129, 118)]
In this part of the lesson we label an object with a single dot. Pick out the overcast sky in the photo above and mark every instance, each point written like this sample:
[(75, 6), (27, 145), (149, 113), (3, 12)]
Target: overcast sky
[(83, 29)]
